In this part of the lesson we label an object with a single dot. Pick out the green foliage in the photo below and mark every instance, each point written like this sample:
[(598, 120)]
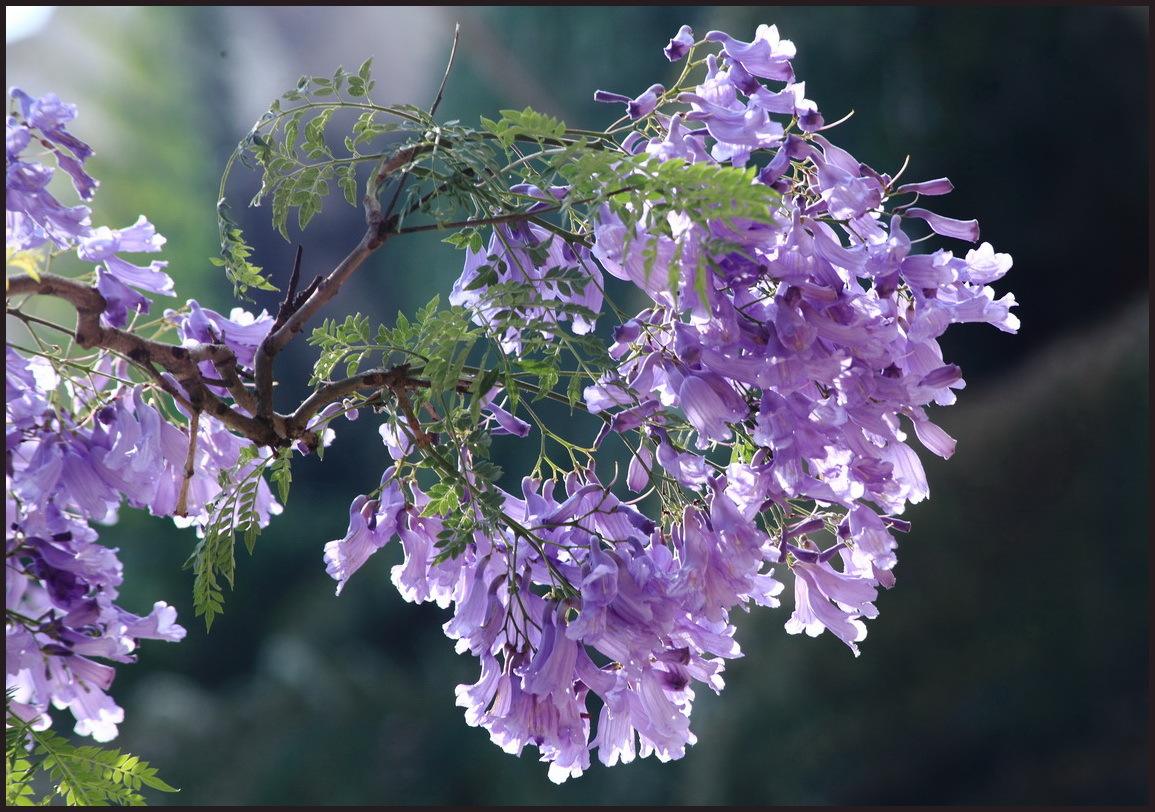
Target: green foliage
[(526, 124), (347, 341), (289, 145), (701, 191), (79, 775), (235, 253), (444, 497), (281, 474), (467, 238), (233, 512), (441, 169)]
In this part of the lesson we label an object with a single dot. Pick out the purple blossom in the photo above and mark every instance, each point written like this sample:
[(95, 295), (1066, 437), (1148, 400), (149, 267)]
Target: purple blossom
[(636, 108), (49, 115), (825, 599), (947, 226), (938, 186), (767, 56), (372, 523), (119, 299), (709, 404), (242, 332), (506, 422), (150, 277), (680, 44), (103, 242)]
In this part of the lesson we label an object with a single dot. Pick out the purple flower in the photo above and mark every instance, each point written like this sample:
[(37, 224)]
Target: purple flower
[(399, 443), (160, 624), (103, 242), (119, 299), (636, 108), (372, 523), (679, 46), (33, 215), (947, 226), (938, 186), (242, 332), (827, 599), (984, 266), (16, 138), (151, 277), (679, 143), (709, 404), (688, 469), (638, 475), (745, 127), (551, 671), (49, 115), (767, 56), (506, 422)]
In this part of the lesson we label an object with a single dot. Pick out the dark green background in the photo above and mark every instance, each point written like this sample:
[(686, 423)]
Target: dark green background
[(1010, 665)]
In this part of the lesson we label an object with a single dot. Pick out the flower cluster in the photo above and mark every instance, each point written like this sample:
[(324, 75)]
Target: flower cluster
[(81, 440), (766, 392), (806, 353)]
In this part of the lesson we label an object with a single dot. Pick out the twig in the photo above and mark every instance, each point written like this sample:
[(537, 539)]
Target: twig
[(448, 67), (321, 292), (189, 467), (387, 219), (423, 438), (481, 221), (290, 301)]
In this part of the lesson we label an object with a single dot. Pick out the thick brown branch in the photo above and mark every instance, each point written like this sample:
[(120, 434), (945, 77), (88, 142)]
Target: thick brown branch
[(91, 333), (244, 397), (182, 362)]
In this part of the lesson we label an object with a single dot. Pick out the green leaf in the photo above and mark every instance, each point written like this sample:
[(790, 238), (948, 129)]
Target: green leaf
[(80, 775), (443, 498), (364, 71), (282, 474), (347, 180)]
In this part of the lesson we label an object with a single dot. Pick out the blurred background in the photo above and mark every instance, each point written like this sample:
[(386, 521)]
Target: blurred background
[(1010, 664)]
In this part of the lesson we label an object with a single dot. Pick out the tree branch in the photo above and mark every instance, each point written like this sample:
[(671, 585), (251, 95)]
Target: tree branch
[(181, 508), (337, 390), (181, 362), (321, 293), (448, 68)]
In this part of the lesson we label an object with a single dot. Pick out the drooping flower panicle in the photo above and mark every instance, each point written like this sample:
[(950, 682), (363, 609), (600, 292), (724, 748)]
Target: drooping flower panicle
[(808, 350), (75, 453)]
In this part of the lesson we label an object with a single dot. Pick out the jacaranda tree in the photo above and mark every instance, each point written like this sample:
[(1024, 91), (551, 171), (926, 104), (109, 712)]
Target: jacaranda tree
[(764, 394)]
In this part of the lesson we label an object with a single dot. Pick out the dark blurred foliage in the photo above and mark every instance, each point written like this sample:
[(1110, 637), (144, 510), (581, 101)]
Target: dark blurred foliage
[(1010, 665)]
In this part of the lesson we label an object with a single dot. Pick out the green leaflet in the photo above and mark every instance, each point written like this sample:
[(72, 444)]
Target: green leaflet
[(233, 512), (80, 775)]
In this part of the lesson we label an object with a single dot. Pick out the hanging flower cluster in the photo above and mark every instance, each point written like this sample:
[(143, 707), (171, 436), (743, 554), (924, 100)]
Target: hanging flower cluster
[(767, 391), (770, 394), (81, 440)]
